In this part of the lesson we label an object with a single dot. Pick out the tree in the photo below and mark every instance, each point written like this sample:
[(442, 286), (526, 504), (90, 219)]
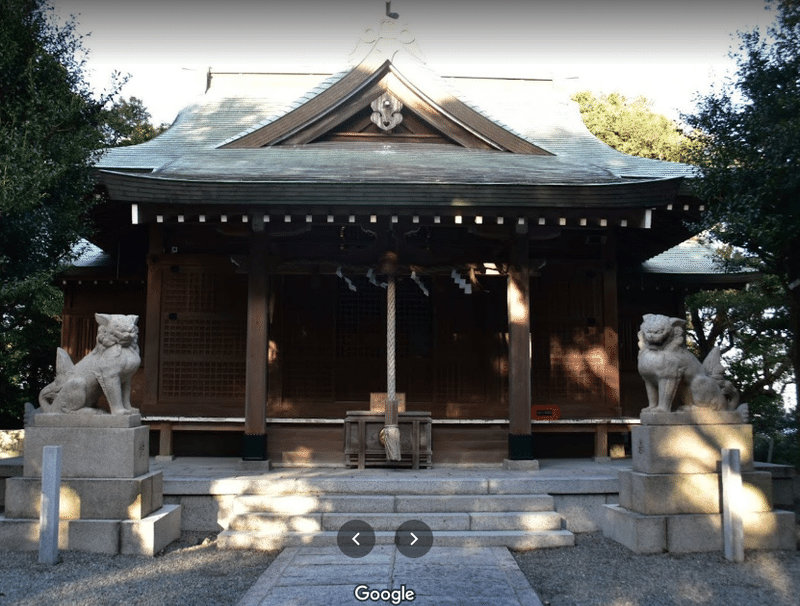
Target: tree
[(127, 122), (751, 327), (50, 131), (748, 154), (632, 127)]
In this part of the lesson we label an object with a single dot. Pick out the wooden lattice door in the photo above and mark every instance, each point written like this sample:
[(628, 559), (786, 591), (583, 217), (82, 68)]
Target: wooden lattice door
[(203, 341)]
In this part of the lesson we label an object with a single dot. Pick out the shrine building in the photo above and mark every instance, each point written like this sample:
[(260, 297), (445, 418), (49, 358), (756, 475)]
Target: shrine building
[(251, 239)]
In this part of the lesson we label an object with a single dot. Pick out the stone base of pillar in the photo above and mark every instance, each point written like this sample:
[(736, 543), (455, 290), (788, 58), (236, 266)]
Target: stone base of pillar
[(255, 447), (520, 447)]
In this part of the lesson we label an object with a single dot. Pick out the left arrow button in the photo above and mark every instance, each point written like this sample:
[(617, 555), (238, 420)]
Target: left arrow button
[(355, 538)]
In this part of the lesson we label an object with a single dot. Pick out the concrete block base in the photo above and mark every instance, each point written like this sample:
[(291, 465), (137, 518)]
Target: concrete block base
[(694, 416), (147, 536), (688, 448), (153, 533), (90, 452), (109, 500), (671, 499), (688, 533), (94, 536), (638, 532), (659, 494), (89, 498)]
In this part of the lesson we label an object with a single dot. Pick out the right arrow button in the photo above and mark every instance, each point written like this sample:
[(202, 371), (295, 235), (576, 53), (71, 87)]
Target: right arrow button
[(414, 538)]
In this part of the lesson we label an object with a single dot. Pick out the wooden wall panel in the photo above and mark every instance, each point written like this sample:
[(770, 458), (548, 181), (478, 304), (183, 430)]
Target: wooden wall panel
[(450, 347), (324, 444), (569, 362)]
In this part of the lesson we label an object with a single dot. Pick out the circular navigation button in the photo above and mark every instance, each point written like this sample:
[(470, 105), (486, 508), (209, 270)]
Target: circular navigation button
[(356, 538), (413, 539)]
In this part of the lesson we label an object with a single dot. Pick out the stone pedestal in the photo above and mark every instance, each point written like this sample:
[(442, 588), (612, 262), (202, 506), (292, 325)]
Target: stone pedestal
[(110, 501), (671, 499)]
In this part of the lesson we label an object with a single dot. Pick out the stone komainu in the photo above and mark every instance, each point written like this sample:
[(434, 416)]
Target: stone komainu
[(669, 369), (106, 370)]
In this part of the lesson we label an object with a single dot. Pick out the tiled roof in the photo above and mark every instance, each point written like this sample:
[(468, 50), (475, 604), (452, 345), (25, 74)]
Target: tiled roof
[(239, 104), (90, 255), (689, 257), (370, 162)]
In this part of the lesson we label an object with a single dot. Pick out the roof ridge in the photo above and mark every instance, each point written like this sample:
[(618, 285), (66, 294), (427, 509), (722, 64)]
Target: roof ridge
[(305, 98)]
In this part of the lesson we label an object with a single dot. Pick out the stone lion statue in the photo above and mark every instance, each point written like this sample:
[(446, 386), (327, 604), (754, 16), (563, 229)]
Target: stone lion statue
[(669, 369), (107, 370)]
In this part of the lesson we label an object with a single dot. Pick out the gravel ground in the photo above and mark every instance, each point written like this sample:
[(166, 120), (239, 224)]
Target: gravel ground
[(191, 571), (596, 572), (601, 572)]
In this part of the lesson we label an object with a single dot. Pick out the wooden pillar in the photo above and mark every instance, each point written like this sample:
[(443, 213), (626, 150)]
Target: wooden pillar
[(520, 440), (152, 336), (611, 327), (256, 388)]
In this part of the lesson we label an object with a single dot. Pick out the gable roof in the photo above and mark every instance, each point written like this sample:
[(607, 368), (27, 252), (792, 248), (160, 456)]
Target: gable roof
[(249, 111), (420, 92)]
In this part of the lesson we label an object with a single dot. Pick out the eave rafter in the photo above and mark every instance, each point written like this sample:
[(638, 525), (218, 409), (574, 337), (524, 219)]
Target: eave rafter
[(428, 100), (640, 218)]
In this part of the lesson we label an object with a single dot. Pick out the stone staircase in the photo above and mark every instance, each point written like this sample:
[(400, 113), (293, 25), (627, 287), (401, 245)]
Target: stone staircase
[(460, 512)]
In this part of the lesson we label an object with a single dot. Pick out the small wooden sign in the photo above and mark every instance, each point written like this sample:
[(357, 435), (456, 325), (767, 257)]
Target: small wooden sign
[(541, 412)]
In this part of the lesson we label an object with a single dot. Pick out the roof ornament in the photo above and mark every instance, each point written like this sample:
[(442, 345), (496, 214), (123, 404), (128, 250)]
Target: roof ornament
[(386, 112), (390, 39)]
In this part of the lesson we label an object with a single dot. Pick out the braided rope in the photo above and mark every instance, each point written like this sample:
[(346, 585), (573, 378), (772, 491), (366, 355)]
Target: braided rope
[(391, 371), (391, 429)]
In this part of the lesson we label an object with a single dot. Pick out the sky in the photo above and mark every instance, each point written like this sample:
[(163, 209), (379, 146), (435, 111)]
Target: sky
[(666, 50)]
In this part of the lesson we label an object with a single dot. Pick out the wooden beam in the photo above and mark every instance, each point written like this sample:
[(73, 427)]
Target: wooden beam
[(520, 442), (256, 388)]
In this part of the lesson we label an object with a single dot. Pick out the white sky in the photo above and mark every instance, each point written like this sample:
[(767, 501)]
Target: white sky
[(666, 50)]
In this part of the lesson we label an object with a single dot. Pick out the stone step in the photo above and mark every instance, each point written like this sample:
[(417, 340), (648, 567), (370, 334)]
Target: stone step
[(300, 504), (518, 520), (513, 484), (513, 539), (515, 520), (474, 503), (274, 523), (267, 518), (371, 485), (401, 503)]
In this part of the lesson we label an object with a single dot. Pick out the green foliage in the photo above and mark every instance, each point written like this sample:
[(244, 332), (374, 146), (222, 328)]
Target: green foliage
[(632, 127), (749, 147), (751, 327), (50, 129), (748, 154), (127, 122), (28, 340)]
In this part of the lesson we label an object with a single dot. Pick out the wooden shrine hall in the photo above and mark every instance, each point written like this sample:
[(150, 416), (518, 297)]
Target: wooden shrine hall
[(249, 239)]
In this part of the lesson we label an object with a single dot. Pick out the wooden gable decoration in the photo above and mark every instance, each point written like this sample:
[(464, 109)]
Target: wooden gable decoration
[(375, 102)]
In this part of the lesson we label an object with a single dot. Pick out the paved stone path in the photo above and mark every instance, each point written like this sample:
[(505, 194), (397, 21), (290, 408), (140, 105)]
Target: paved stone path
[(445, 576)]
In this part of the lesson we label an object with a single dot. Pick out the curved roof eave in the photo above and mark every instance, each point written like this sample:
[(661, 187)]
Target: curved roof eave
[(154, 189)]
